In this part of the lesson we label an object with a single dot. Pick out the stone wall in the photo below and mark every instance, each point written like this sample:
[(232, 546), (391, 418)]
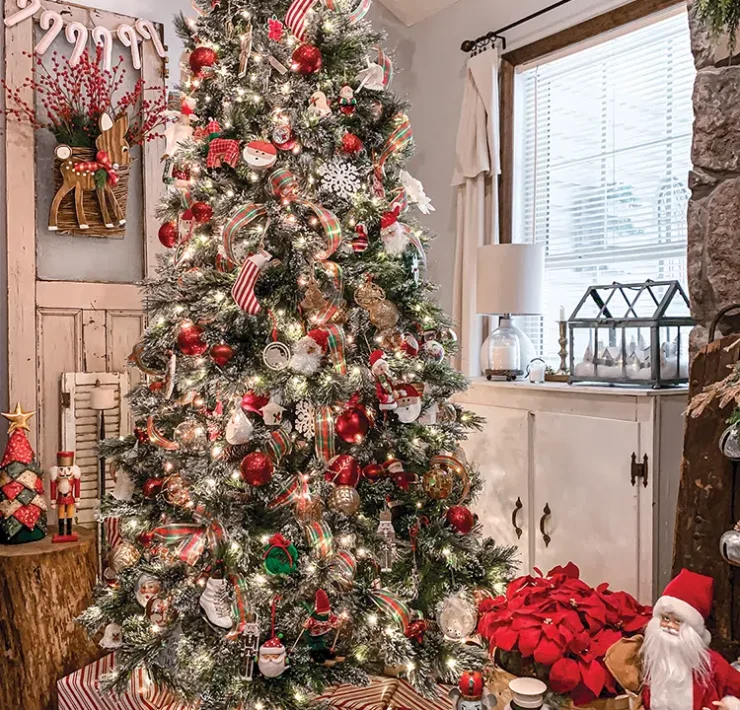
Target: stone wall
[(714, 208)]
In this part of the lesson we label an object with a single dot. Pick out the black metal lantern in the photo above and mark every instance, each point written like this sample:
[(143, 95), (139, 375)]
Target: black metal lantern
[(631, 334)]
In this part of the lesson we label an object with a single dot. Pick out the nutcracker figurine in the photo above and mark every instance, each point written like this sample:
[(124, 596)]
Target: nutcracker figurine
[(65, 491)]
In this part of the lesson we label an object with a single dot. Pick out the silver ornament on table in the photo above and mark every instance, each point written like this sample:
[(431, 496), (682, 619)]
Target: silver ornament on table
[(729, 442), (345, 500), (729, 546), (457, 616)]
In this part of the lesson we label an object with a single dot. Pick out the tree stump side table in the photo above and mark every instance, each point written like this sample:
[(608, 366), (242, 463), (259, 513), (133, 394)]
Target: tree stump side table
[(43, 587)]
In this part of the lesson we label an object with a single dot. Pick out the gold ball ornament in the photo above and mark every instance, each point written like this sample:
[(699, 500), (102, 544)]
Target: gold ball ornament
[(447, 413), (175, 491), (384, 315), (345, 500), (438, 483), (123, 556), (308, 509)]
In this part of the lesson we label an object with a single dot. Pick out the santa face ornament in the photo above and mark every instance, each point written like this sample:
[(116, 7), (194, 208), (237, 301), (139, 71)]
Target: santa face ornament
[(409, 403), (147, 587), (260, 155), (272, 660)]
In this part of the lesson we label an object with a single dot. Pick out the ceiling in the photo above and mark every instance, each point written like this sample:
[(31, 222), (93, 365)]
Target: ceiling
[(412, 11)]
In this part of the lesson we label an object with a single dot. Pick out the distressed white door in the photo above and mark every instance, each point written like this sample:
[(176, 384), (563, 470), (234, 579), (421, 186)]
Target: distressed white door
[(501, 454), (584, 500)]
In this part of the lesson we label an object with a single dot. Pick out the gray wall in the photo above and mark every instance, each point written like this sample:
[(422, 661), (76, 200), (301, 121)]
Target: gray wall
[(431, 72)]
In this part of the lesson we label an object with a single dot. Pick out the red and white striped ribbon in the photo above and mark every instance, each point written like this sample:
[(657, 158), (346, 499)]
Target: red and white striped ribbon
[(295, 19), (243, 290)]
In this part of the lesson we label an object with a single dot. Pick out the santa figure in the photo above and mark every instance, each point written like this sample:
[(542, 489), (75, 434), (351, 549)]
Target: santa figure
[(383, 383), (65, 492), (395, 234), (672, 667)]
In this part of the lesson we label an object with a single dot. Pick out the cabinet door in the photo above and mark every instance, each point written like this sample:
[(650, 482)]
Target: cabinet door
[(501, 454), (582, 468)]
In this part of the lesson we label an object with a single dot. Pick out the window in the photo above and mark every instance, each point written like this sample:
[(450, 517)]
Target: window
[(603, 139)]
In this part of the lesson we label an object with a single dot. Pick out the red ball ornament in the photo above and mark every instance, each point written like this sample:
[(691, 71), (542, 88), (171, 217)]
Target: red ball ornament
[(221, 354), (374, 472), (168, 234), (190, 340), (201, 58), (351, 144), (152, 486), (256, 469), (343, 471), (307, 59), (156, 386), (141, 435), (202, 212), (460, 519), (352, 424)]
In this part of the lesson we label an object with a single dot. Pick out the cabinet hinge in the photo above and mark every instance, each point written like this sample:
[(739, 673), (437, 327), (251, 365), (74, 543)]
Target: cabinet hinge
[(640, 470)]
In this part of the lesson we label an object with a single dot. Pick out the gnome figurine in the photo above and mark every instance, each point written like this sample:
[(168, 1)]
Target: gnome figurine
[(65, 492)]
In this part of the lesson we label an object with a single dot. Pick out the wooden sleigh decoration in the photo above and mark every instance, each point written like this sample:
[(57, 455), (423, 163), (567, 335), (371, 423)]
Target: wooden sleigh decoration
[(104, 171)]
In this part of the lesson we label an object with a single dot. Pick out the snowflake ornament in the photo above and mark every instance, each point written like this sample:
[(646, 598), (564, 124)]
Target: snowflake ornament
[(340, 178), (304, 419)]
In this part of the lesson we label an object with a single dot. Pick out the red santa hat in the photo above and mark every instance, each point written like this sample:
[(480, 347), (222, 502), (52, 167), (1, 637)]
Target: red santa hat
[(375, 356), (321, 603), (320, 337), (389, 218), (689, 596), (274, 644), (408, 395)]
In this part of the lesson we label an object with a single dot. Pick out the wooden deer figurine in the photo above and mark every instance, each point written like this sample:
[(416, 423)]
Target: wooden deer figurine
[(97, 176)]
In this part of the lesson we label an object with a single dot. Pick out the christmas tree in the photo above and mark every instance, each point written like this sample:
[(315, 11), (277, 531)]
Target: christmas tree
[(22, 502), (302, 499)]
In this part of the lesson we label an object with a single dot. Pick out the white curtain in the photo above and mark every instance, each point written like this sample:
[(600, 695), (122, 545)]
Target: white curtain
[(477, 167)]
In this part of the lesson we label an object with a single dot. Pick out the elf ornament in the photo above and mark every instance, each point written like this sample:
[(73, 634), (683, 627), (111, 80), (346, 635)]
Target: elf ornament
[(65, 492), (347, 100), (307, 59), (280, 555), (22, 501), (319, 625), (383, 384)]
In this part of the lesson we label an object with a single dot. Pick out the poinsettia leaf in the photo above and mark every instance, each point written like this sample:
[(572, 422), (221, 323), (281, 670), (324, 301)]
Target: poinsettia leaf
[(564, 675), (579, 643), (603, 641), (505, 638), (547, 651), (528, 640), (581, 695), (593, 675)]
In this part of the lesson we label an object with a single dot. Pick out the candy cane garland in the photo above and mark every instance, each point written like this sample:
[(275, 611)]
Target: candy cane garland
[(129, 38), (104, 37), (25, 12), (53, 24), (147, 30), (76, 32)]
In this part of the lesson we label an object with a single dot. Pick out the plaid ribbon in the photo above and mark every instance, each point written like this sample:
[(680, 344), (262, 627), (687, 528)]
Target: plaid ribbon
[(324, 439), (241, 605), (342, 568), (190, 540), (331, 4), (392, 605), (320, 539), (290, 493), (222, 150), (385, 62), (186, 199), (400, 203), (359, 12), (278, 445), (101, 162), (295, 18), (285, 186), (336, 345), (243, 218), (157, 438), (397, 141)]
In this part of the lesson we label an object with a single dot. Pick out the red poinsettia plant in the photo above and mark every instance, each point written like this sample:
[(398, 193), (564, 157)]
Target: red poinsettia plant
[(72, 100), (558, 627)]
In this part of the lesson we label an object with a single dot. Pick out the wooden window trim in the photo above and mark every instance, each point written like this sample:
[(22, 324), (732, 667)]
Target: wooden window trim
[(601, 24)]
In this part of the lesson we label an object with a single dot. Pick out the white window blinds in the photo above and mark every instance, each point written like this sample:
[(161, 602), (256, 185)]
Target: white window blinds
[(603, 138)]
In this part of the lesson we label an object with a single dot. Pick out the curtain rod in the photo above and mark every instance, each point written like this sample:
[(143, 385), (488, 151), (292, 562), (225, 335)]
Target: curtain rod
[(470, 45)]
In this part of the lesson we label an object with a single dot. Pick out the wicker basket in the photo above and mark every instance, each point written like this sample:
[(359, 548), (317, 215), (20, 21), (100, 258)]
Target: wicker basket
[(497, 681), (67, 216)]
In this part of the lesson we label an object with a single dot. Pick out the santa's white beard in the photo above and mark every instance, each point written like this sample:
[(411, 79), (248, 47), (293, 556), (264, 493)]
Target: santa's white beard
[(670, 665)]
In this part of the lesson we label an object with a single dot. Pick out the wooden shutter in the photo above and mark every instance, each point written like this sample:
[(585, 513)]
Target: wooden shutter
[(80, 429)]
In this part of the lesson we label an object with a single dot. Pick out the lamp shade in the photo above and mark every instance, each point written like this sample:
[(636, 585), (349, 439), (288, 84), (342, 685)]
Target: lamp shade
[(102, 398), (510, 279)]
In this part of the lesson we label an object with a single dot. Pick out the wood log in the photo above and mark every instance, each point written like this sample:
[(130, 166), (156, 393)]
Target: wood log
[(43, 588), (709, 499)]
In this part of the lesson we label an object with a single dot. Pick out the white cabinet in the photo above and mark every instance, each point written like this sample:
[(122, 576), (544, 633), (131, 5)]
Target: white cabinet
[(557, 465)]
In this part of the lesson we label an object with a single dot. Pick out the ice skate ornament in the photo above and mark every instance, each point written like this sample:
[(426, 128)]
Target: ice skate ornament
[(415, 192), (378, 76), (216, 604)]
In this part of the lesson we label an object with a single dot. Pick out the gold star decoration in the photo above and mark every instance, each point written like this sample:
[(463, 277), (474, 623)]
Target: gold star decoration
[(18, 419)]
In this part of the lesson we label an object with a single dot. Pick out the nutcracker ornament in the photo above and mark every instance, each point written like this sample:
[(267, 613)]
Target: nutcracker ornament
[(65, 492), (251, 641), (387, 534)]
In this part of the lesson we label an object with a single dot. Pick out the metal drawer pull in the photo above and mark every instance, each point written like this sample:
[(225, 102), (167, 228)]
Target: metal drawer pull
[(517, 508), (547, 513)]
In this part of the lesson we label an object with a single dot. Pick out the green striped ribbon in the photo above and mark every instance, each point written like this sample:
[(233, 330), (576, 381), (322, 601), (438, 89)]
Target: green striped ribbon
[(336, 345), (392, 605), (243, 218), (241, 606), (278, 445), (359, 12), (320, 539), (324, 438), (397, 141)]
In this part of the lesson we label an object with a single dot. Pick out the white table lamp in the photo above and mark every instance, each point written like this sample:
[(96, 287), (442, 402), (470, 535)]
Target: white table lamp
[(510, 280)]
